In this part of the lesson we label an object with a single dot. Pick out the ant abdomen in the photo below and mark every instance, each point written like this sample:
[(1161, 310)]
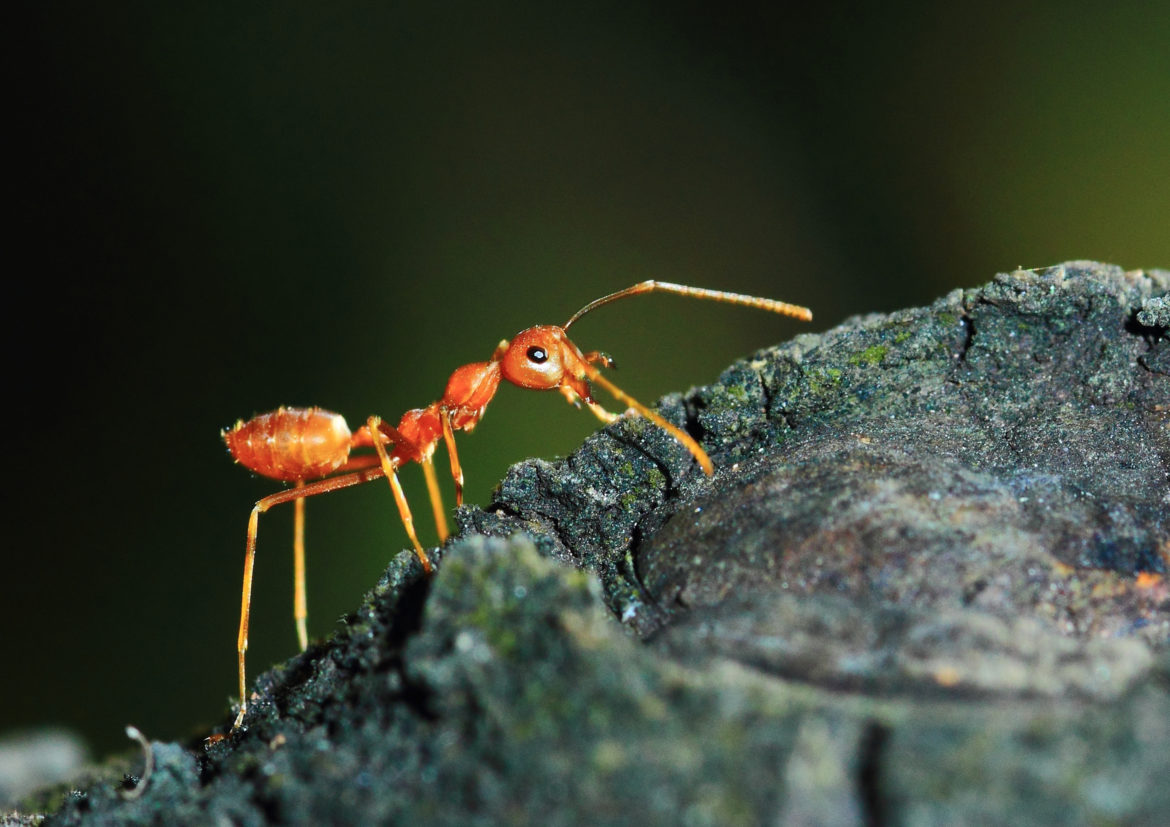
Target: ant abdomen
[(291, 444)]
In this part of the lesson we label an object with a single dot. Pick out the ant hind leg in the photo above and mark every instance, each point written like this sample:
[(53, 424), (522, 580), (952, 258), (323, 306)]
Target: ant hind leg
[(300, 602)]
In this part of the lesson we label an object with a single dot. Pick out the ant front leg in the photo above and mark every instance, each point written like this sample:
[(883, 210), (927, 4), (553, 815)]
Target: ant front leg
[(594, 375), (596, 357), (574, 399)]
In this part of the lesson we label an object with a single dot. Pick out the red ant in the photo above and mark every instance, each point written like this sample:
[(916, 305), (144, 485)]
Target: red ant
[(299, 444)]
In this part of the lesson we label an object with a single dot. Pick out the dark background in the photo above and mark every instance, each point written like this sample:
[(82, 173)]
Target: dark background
[(222, 211)]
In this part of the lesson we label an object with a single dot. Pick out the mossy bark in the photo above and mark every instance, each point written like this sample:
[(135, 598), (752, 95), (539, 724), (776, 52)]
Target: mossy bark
[(927, 583)]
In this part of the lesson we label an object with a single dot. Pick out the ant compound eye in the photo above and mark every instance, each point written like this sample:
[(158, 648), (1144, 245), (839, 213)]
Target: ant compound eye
[(537, 354)]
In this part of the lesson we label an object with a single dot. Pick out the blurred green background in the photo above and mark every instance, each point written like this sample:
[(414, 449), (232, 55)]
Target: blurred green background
[(224, 210)]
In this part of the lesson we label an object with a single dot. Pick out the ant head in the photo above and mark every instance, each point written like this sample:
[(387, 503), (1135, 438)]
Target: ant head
[(542, 358), (536, 358)]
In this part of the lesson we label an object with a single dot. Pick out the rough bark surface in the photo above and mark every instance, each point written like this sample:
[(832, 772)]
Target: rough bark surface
[(927, 583)]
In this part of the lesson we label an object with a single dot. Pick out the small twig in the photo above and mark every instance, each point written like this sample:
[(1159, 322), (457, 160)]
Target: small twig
[(148, 752)]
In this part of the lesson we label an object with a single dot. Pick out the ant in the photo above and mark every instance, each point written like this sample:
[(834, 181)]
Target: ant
[(301, 444)]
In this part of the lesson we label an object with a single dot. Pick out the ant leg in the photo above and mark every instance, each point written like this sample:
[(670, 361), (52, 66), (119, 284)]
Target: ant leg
[(452, 454), (601, 413), (390, 472), (297, 494), (574, 399), (428, 466), (245, 609), (300, 604), (604, 359), (678, 433)]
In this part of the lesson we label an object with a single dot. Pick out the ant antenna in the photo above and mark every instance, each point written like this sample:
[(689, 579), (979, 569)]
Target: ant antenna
[(650, 286)]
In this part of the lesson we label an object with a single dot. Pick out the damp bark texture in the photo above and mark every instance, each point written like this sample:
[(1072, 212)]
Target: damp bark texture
[(927, 584)]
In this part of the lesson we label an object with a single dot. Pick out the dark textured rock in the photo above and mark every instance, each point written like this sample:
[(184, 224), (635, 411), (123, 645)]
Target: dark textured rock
[(926, 584)]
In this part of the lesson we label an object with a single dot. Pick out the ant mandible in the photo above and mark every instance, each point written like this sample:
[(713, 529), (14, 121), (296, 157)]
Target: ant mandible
[(301, 444)]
